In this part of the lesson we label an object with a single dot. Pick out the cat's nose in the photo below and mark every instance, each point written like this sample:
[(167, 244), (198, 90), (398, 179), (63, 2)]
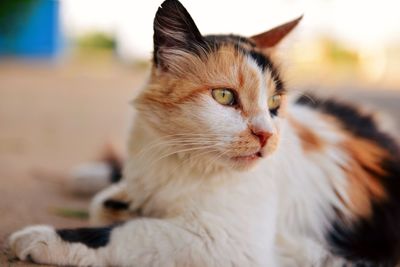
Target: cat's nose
[(263, 136)]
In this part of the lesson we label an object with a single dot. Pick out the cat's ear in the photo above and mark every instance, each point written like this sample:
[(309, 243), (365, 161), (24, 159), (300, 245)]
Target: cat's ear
[(271, 38), (175, 34)]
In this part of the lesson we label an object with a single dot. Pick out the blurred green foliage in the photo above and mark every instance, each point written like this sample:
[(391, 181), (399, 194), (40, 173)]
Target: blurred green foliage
[(70, 213), (14, 14), (97, 40), (338, 53)]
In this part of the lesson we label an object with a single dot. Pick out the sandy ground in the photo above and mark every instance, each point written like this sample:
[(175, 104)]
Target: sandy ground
[(54, 116)]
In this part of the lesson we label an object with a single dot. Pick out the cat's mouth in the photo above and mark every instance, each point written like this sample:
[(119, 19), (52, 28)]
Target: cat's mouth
[(248, 158)]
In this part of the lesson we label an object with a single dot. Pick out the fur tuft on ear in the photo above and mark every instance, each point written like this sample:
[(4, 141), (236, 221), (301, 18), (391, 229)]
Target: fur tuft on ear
[(175, 32), (272, 37)]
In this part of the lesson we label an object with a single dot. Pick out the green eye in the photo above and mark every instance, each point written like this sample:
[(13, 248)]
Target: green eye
[(274, 102), (224, 96)]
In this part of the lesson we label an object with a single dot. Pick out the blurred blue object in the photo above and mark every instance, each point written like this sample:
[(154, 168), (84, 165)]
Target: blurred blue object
[(29, 28)]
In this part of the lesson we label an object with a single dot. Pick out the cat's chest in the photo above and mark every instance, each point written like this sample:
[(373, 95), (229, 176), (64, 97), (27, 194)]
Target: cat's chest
[(308, 199), (229, 195)]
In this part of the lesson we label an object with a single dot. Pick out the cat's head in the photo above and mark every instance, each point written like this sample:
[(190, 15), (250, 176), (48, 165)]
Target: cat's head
[(219, 98)]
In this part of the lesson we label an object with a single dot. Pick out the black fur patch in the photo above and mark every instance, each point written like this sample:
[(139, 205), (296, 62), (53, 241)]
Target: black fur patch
[(261, 60), (116, 170), (265, 63), (373, 241), (356, 123), (115, 204), (91, 237)]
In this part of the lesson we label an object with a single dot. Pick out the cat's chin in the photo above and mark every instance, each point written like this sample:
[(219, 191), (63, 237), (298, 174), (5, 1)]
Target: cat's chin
[(245, 162)]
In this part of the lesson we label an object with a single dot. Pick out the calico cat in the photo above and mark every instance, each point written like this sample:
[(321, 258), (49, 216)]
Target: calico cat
[(225, 168)]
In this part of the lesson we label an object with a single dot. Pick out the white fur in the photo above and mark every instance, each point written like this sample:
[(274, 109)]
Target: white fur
[(307, 183), (263, 90)]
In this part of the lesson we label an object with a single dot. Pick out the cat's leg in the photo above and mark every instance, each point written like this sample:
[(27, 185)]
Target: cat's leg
[(42, 244), (140, 242), (112, 205)]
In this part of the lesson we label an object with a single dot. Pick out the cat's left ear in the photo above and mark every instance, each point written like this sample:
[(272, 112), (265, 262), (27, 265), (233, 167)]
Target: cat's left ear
[(273, 37), (175, 35)]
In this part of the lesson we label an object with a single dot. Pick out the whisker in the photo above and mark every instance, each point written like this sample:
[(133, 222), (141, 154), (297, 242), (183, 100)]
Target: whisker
[(170, 143), (180, 151)]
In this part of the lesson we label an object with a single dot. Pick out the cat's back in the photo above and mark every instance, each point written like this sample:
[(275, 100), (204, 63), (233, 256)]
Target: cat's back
[(364, 213)]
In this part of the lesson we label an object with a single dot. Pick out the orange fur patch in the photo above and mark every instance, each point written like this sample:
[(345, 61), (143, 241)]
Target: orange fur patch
[(310, 141), (363, 171)]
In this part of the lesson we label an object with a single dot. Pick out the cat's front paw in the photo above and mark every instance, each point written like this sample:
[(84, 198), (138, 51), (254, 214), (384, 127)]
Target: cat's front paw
[(33, 243)]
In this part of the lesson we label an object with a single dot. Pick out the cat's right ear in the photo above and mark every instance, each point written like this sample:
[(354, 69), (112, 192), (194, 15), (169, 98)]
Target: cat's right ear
[(175, 34), (271, 38)]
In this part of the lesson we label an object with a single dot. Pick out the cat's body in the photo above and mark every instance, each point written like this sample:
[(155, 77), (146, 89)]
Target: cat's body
[(224, 169)]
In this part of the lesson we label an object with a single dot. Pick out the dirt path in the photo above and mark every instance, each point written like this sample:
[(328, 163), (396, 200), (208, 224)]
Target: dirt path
[(51, 118)]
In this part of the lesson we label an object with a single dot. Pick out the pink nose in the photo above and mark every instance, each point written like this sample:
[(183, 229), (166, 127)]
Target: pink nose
[(263, 136)]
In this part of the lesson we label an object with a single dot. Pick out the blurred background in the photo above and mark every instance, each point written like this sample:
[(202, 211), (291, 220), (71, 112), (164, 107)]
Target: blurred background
[(69, 68)]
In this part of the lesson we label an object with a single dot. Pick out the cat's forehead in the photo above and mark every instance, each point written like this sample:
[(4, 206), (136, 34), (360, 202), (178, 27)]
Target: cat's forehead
[(236, 63), (249, 72), (244, 50)]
